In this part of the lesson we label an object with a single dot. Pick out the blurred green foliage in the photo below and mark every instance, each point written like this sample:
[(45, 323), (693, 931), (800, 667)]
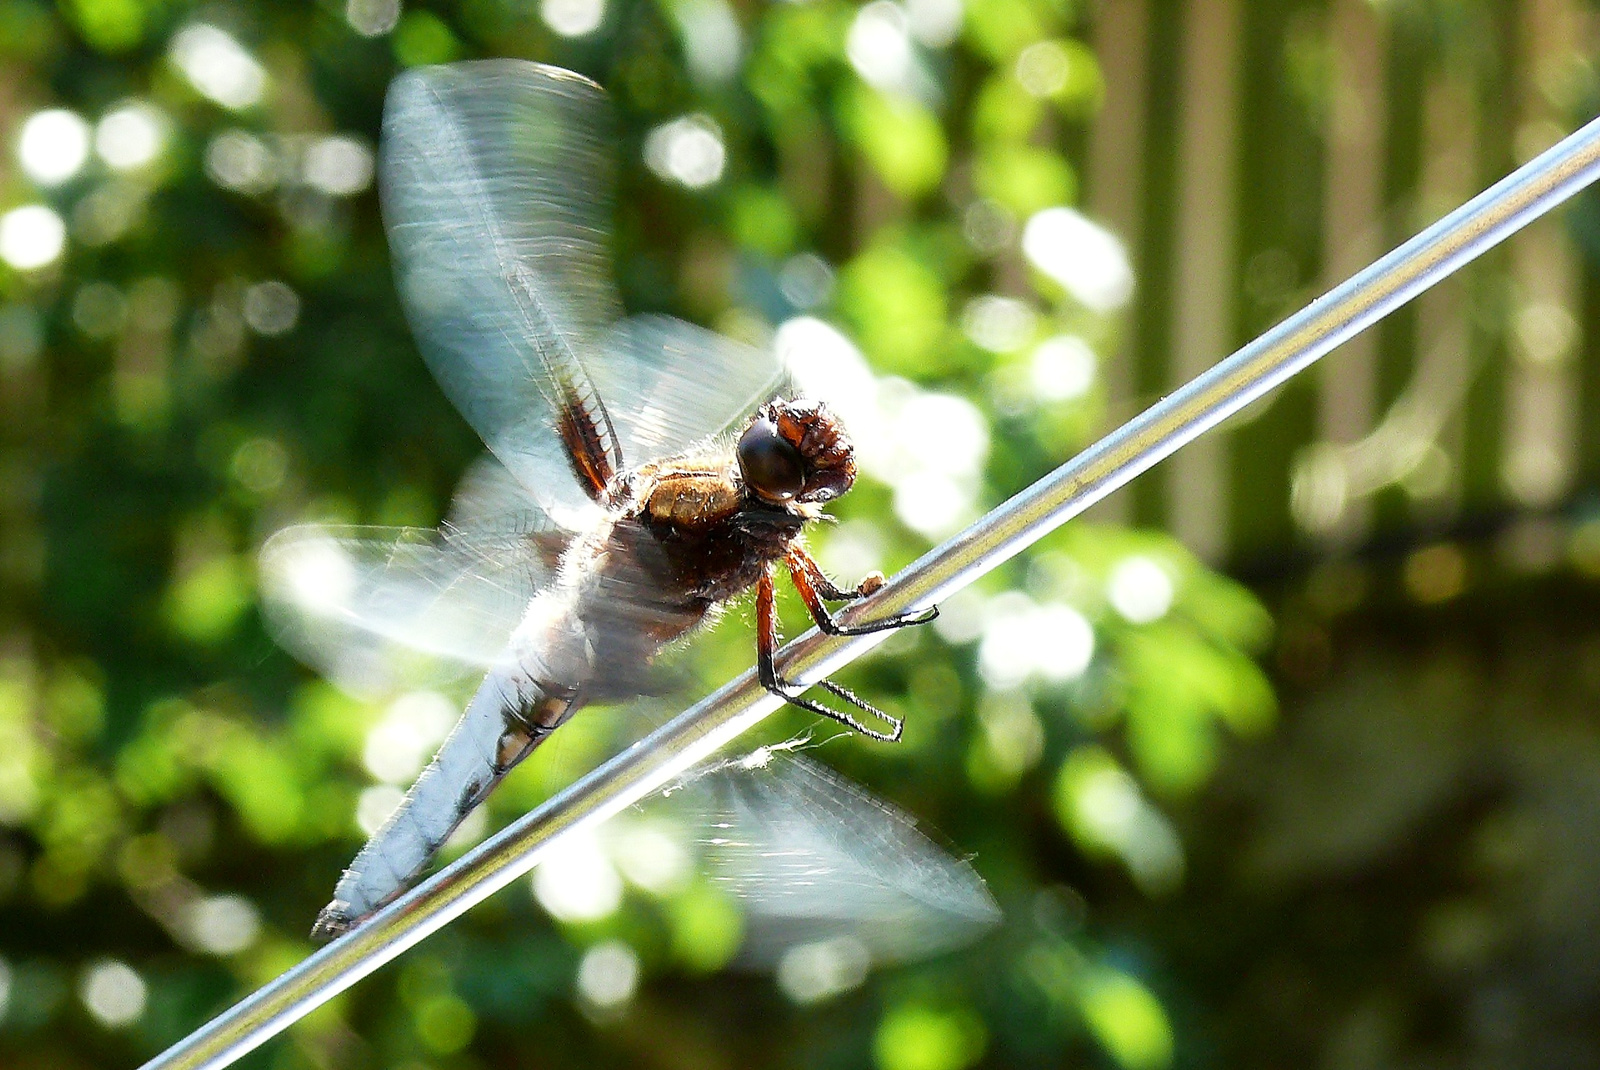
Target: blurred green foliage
[(216, 350)]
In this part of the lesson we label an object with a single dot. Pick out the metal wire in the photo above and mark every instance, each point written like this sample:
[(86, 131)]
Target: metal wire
[(696, 734)]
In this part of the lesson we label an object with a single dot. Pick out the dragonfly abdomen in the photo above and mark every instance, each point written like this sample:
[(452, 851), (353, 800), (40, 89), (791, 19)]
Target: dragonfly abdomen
[(510, 715)]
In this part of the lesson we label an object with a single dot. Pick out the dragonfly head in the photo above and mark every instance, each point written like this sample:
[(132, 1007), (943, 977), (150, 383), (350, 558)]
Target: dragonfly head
[(796, 451)]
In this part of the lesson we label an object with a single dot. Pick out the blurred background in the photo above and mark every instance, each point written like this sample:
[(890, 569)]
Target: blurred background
[(1285, 756)]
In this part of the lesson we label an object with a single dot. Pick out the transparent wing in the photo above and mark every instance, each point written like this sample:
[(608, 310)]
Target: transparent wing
[(822, 867), (671, 386), (497, 180), (490, 500), (360, 604)]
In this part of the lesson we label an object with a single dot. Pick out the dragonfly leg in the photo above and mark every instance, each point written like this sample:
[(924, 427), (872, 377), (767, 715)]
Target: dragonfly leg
[(767, 670), (815, 587)]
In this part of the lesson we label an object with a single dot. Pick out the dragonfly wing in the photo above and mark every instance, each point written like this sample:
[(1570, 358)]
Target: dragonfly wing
[(353, 601), (489, 500), (496, 181), (672, 385), (812, 857)]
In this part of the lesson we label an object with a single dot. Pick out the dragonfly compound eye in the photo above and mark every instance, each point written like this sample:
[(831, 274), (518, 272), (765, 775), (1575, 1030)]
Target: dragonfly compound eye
[(771, 464)]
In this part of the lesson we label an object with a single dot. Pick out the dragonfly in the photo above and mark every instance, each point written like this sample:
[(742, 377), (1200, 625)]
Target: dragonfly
[(641, 473)]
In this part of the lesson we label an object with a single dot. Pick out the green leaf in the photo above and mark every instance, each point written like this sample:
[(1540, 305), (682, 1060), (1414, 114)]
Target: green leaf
[(706, 928), (423, 38), (1004, 111), (900, 138), (205, 605), (916, 1037), (109, 25), (1025, 178), (999, 29), (1127, 1020), (896, 305), (762, 219)]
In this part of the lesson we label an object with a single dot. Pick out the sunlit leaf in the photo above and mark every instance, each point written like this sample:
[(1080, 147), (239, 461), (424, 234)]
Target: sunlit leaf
[(763, 220), (896, 305), (916, 1037), (422, 38), (1003, 112), (706, 928), (205, 604), (899, 137), (1128, 1020), (999, 29), (109, 25), (1025, 178)]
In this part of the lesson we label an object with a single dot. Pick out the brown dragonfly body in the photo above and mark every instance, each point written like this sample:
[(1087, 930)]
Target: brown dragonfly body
[(631, 515)]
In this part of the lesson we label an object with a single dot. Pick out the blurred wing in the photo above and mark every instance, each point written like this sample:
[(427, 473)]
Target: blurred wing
[(496, 180), (818, 862), (353, 601), (490, 500), (671, 385)]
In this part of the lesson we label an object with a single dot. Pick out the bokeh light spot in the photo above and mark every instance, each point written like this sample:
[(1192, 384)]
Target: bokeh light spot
[(271, 308), (1062, 368), (1042, 68), (810, 973), (1140, 589), (935, 23), (1022, 639), (806, 280), (53, 146), (222, 924), (338, 166), (688, 151), (916, 1037), (573, 18), (650, 858), (31, 237), (99, 309), (21, 336), (1100, 804), (713, 41), (1085, 258), (1012, 732), (372, 18), (879, 45), (218, 66), (375, 804), (576, 881), (113, 993), (445, 1023), (130, 136), (1129, 1021), (400, 744), (1435, 573), (608, 974), (240, 161), (999, 324)]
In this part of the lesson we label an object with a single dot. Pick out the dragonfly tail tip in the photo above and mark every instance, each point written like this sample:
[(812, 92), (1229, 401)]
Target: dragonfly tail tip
[(333, 922)]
